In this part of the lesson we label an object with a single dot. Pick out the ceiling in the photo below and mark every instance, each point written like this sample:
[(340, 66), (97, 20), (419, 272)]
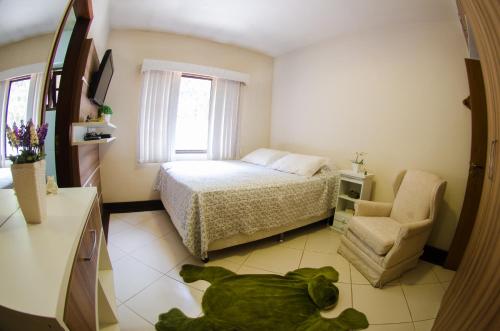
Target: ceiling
[(20, 19), (273, 27)]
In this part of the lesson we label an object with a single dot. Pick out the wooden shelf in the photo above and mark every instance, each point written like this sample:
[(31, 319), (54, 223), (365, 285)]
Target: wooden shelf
[(346, 197), (92, 142), (343, 214)]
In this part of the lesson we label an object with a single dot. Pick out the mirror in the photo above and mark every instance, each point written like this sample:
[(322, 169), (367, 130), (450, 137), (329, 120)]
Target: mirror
[(28, 33), (53, 80)]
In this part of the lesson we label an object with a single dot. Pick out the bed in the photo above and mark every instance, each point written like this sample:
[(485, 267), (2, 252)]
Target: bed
[(218, 204)]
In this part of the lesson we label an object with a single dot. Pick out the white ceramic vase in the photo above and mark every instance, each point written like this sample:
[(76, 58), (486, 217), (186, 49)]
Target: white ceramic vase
[(357, 167), (30, 187), (107, 118)]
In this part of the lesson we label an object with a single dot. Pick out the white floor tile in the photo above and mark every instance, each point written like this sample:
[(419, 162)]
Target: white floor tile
[(424, 300), (345, 301), (130, 321), (115, 253), (117, 225), (421, 274), (381, 306), (295, 240), (129, 241), (424, 325), (444, 275), (201, 284), (318, 260), (237, 254), (391, 327), (246, 270), (163, 295), (324, 241), (275, 258), (144, 245), (131, 277), (357, 277), (162, 254), (134, 218), (158, 224), (445, 285)]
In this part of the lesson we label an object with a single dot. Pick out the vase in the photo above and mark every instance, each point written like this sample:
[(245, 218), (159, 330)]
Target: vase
[(107, 118), (357, 167), (30, 188)]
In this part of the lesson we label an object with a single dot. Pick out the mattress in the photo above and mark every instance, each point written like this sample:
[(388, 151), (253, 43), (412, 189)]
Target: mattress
[(211, 200)]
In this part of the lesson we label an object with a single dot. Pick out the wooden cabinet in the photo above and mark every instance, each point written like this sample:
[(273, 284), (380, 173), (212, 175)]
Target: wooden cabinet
[(79, 313), (57, 275)]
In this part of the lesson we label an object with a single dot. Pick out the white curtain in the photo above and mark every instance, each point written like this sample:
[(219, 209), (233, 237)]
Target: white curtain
[(158, 114), (223, 120), (34, 97), (3, 100)]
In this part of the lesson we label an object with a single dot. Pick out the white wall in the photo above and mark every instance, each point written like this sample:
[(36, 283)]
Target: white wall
[(99, 30), (394, 93), (24, 52), (122, 178)]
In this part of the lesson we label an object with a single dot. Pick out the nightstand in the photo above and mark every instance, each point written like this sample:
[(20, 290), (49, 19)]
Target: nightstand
[(352, 187)]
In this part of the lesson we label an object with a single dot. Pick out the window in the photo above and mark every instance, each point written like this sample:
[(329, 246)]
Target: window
[(191, 135), (17, 104)]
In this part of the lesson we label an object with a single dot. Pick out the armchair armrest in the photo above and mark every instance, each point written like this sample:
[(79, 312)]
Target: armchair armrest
[(409, 230), (410, 242), (372, 208)]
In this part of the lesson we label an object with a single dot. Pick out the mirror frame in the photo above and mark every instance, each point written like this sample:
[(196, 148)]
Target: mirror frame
[(50, 60)]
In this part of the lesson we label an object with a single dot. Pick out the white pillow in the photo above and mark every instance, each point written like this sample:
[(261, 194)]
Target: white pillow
[(305, 165), (264, 156)]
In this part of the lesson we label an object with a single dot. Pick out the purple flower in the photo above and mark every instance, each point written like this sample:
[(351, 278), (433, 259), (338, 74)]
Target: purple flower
[(42, 133), (28, 141), (25, 136), (15, 129)]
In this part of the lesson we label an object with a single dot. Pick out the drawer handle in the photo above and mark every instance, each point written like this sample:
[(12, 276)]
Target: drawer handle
[(94, 244)]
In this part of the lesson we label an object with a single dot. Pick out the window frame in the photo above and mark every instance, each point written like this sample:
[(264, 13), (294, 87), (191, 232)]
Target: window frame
[(202, 77), (7, 101)]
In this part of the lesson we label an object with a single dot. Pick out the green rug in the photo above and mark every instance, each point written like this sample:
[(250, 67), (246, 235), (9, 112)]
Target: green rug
[(264, 302)]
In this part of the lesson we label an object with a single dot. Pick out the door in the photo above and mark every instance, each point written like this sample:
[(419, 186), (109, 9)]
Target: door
[(477, 104)]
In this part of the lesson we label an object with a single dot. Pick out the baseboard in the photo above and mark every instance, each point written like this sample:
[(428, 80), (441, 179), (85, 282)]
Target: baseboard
[(434, 255), (127, 207), (133, 206)]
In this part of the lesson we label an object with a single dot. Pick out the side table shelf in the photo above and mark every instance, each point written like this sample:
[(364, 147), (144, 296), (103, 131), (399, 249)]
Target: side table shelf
[(352, 187)]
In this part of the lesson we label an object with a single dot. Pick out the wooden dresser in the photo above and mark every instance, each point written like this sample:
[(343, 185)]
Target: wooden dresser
[(56, 275)]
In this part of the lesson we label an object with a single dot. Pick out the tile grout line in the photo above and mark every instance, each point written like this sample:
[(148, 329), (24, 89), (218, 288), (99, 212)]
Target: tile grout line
[(406, 300), (352, 291), (303, 250), (137, 314)]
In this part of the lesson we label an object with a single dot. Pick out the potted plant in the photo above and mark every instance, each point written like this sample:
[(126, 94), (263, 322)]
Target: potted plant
[(358, 162), (106, 112), (28, 169)]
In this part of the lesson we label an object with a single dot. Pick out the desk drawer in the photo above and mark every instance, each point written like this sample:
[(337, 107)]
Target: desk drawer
[(80, 310)]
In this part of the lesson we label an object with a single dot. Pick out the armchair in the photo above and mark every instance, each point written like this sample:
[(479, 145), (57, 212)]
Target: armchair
[(383, 240)]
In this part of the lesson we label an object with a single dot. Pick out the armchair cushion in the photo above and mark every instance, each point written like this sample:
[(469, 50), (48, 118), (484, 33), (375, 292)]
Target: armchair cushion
[(379, 233), (372, 208)]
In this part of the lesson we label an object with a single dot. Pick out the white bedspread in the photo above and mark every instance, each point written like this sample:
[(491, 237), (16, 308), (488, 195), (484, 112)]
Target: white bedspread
[(210, 200)]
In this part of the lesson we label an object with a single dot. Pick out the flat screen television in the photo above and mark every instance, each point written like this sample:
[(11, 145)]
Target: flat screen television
[(101, 79)]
